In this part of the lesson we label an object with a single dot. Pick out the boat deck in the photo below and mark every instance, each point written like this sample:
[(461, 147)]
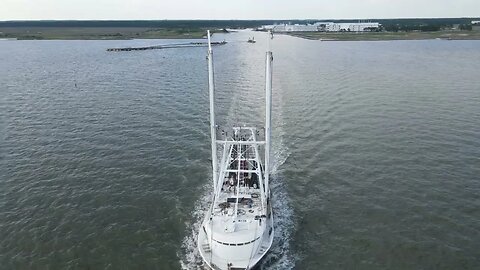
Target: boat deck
[(249, 211)]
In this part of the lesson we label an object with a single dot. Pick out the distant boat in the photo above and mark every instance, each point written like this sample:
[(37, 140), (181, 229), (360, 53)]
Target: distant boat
[(237, 230), (251, 40)]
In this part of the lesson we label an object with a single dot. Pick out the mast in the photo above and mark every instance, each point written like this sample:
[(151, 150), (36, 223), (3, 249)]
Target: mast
[(268, 115), (211, 94)]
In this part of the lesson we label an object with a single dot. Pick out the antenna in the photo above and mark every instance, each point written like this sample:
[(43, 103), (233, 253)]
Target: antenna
[(211, 94)]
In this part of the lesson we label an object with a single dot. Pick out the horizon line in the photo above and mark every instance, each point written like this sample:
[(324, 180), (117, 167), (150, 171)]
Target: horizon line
[(201, 19)]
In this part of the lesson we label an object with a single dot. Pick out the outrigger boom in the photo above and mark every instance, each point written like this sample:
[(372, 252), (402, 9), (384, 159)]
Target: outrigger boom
[(238, 230)]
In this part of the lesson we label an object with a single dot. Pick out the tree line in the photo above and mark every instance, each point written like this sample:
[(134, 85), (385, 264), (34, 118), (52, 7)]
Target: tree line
[(393, 25)]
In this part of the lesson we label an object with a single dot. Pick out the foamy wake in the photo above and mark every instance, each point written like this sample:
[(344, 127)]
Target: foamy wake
[(280, 256), (189, 256)]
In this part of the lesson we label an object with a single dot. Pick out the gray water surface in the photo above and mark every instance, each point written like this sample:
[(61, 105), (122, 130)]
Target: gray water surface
[(105, 157)]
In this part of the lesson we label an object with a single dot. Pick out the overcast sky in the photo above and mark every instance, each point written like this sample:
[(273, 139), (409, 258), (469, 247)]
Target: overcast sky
[(233, 9)]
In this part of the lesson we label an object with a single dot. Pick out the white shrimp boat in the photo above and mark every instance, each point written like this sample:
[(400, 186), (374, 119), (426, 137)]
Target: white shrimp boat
[(238, 230)]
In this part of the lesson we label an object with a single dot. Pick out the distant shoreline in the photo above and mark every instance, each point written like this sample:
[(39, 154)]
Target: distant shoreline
[(131, 33), (385, 36), (407, 29), (101, 33)]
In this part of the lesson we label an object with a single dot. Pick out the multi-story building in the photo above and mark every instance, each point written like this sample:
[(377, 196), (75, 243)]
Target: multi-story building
[(325, 27)]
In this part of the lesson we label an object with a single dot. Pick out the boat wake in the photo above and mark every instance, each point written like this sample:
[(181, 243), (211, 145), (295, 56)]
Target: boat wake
[(190, 257), (280, 256)]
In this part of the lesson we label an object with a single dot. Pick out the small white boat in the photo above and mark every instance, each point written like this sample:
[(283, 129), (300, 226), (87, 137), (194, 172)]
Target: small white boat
[(238, 230)]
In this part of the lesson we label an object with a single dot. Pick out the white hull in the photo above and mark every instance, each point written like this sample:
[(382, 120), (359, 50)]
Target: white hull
[(226, 257)]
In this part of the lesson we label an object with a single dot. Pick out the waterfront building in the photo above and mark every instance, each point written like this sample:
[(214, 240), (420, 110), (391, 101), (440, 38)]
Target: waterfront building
[(325, 27)]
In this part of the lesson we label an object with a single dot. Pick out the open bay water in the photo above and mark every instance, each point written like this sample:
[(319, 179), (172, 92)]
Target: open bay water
[(105, 156)]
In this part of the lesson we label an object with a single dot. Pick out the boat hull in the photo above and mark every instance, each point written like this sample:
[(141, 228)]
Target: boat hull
[(215, 260)]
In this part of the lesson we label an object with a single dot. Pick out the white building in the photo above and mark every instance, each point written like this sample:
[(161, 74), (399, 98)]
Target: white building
[(325, 27), (348, 27)]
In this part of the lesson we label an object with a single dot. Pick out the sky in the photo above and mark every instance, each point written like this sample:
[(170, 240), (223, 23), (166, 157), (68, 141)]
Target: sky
[(233, 9)]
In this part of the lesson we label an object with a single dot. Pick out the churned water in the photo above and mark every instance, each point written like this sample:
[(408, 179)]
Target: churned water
[(105, 157)]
